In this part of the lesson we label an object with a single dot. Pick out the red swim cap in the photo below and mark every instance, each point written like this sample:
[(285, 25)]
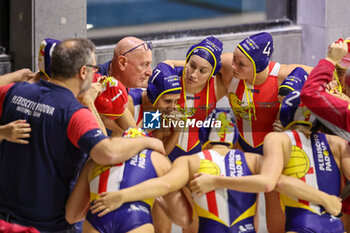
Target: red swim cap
[(113, 99)]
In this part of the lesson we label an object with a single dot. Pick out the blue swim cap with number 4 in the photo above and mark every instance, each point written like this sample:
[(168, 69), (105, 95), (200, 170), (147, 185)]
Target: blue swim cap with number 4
[(258, 48)]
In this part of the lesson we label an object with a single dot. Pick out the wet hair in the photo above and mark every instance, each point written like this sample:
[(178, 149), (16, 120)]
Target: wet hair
[(318, 126)]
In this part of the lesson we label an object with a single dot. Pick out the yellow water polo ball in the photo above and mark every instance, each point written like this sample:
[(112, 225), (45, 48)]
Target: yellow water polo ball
[(298, 164), (209, 167)]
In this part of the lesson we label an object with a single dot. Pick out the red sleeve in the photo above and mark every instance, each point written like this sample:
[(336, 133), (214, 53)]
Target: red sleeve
[(324, 105), (80, 123), (3, 92)]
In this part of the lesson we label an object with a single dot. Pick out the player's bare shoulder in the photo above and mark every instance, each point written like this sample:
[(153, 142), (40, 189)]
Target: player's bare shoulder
[(338, 145)]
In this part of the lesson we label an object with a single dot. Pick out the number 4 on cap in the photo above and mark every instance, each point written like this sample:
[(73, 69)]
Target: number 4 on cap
[(267, 49)]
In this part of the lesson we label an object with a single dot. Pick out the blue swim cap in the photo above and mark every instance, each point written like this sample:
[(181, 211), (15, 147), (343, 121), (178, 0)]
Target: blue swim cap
[(44, 59), (292, 111), (226, 133), (209, 49), (258, 48), (294, 81), (163, 80)]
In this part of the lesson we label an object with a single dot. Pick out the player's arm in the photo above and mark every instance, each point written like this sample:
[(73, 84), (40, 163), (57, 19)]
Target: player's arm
[(314, 94), (296, 188), (285, 70), (171, 141), (275, 147), (117, 149), (175, 63), (84, 132), (78, 202), (175, 204), (88, 99), (126, 120), (17, 76), (342, 148)]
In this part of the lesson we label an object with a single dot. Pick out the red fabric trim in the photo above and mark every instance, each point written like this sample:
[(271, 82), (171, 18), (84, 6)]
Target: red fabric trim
[(80, 123), (3, 92)]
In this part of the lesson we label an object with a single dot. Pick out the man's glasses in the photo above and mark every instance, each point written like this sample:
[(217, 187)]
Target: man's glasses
[(146, 45), (95, 68)]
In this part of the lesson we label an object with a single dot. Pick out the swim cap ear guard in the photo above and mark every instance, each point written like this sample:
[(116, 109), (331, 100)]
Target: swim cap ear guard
[(227, 132), (113, 99), (163, 80), (259, 49), (209, 49), (292, 111), (135, 132), (293, 82), (45, 52)]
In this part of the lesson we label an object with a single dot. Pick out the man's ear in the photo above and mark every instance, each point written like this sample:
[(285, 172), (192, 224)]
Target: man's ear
[(122, 61), (83, 72)]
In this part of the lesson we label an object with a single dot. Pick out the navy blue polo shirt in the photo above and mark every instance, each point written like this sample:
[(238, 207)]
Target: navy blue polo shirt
[(35, 178)]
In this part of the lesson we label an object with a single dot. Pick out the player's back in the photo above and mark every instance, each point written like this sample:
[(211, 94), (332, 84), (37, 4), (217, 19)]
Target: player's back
[(224, 210), (312, 161), (113, 178)]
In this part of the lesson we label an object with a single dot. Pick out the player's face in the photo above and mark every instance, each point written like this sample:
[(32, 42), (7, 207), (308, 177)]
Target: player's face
[(198, 72), (90, 71), (242, 67), (138, 68), (167, 103)]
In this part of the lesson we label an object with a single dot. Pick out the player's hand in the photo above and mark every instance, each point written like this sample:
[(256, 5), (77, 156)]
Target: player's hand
[(332, 87), (175, 116), (332, 204), (107, 202), (23, 75), (277, 126), (336, 52), (202, 184), (154, 144), (101, 79), (87, 98), (16, 131), (35, 77), (341, 96)]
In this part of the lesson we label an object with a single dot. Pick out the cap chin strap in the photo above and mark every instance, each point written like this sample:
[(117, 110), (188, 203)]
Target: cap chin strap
[(184, 86), (46, 75), (248, 91), (339, 87), (251, 104)]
